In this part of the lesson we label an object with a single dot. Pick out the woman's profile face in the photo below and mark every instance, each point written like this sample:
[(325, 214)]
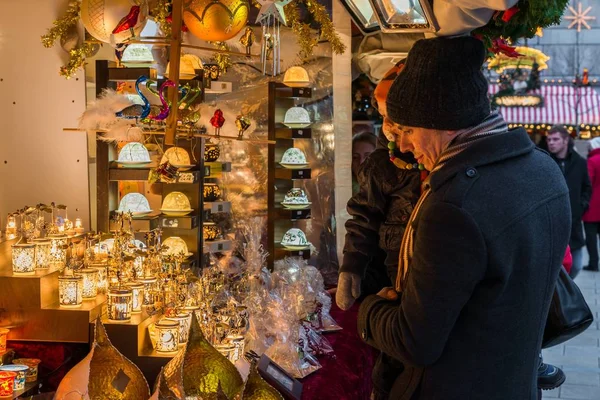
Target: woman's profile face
[(360, 152)]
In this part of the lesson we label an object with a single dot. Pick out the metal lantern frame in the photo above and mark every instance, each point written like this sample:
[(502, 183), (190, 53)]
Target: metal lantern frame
[(382, 9)]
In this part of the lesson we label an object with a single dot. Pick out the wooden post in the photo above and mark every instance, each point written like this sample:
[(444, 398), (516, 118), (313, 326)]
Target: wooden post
[(175, 54)]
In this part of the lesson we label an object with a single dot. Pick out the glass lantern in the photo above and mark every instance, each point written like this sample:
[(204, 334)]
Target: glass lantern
[(70, 291), (58, 252), (7, 384), (184, 321), (137, 290), (148, 292), (20, 371), (120, 304), (23, 258), (90, 282), (238, 342), (3, 335), (43, 248), (102, 282), (11, 227), (167, 335)]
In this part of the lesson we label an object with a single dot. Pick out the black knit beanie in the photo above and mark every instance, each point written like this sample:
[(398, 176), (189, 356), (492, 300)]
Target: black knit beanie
[(441, 86)]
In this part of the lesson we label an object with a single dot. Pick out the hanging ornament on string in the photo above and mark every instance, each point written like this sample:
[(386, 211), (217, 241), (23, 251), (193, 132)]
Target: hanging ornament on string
[(114, 21), (271, 16), (217, 121), (247, 40)]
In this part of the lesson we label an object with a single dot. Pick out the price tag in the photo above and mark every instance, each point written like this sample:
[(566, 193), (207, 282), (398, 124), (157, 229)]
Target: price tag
[(300, 173), (220, 246), (300, 253), (298, 214), (186, 177), (300, 132)]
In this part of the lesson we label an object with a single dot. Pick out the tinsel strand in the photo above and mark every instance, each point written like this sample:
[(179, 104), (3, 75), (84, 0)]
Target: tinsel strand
[(76, 59), (304, 36), (61, 25), (319, 13), (160, 13)]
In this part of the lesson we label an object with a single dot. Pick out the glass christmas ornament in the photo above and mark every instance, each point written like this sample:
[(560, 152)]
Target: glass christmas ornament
[(7, 384), (23, 258), (137, 290), (114, 21), (136, 203), (70, 291), (175, 245), (120, 304), (188, 64), (215, 20), (211, 192), (295, 239), (90, 282), (32, 364), (167, 335), (297, 118), (3, 336), (176, 204), (134, 153), (212, 152), (102, 282), (58, 252), (43, 250), (293, 157)]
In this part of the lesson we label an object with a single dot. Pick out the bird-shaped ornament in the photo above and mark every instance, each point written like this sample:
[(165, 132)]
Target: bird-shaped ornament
[(217, 121), (136, 110), (128, 22), (242, 124), (247, 39)]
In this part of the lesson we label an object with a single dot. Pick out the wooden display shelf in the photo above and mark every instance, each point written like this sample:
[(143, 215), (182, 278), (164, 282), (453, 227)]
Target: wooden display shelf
[(145, 223), (130, 74), (293, 214), (283, 91), (215, 246), (286, 173), (119, 173), (281, 252), (282, 132), (217, 206)]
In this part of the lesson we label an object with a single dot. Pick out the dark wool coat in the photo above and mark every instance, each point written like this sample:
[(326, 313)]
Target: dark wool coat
[(489, 242), (379, 211), (593, 163), (580, 191)]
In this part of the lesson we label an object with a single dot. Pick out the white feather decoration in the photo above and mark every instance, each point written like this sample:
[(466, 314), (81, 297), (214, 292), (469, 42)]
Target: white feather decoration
[(122, 131), (101, 113)]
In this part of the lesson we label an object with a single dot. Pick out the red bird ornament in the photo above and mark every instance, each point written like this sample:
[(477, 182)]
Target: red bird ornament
[(129, 21), (217, 121)]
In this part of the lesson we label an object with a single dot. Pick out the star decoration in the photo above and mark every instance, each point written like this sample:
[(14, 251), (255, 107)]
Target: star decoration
[(273, 8), (580, 17)]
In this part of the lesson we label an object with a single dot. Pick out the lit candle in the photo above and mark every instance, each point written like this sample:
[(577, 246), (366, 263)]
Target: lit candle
[(79, 226), (23, 258), (11, 228)]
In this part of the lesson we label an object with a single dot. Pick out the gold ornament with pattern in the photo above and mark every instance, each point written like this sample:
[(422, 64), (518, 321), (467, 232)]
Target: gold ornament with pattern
[(215, 20), (211, 152), (258, 389), (210, 232), (212, 192)]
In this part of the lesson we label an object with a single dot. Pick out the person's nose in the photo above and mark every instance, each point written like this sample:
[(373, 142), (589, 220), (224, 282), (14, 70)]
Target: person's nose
[(403, 143)]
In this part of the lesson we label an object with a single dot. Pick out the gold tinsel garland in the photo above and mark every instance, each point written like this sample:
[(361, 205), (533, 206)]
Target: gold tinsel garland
[(306, 40), (160, 13), (61, 25), (77, 58)]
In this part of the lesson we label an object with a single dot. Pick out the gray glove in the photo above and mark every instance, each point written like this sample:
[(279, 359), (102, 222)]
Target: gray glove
[(348, 290)]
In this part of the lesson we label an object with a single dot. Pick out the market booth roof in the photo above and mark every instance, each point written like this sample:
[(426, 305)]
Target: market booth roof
[(562, 105)]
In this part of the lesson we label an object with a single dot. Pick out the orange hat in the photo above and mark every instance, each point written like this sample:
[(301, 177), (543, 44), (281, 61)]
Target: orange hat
[(383, 87)]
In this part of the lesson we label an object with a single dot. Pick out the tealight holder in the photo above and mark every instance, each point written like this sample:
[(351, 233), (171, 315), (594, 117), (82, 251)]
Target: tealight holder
[(167, 335), (3, 336), (238, 342), (90, 282), (227, 349), (58, 252), (32, 363), (79, 226), (120, 304), (137, 291), (148, 292), (20, 371), (70, 291), (184, 320), (102, 282), (43, 248), (11, 227), (23, 258), (7, 384)]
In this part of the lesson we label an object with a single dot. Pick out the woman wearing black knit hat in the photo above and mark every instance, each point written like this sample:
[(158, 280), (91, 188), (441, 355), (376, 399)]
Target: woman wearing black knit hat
[(484, 244)]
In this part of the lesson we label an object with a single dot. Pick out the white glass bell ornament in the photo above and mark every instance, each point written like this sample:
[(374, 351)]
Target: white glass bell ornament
[(297, 118), (23, 258), (296, 77), (176, 204), (134, 153), (294, 158), (70, 291), (136, 203), (43, 249), (137, 290), (176, 246), (167, 335), (120, 304), (90, 282), (178, 157), (295, 239)]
